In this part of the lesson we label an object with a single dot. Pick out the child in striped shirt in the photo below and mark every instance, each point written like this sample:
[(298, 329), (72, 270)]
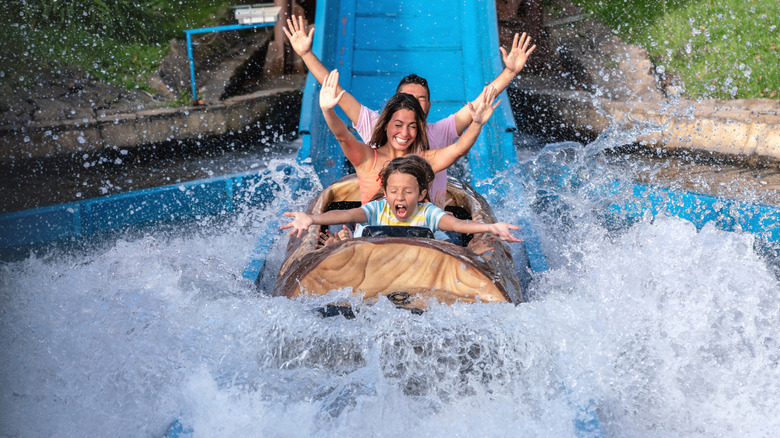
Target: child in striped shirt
[(405, 182)]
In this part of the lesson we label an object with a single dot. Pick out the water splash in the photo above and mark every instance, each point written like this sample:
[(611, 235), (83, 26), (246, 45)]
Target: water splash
[(663, 326)]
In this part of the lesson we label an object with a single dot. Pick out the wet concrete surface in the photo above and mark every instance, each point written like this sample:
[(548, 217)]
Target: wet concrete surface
[(715, 176), (41, 183)]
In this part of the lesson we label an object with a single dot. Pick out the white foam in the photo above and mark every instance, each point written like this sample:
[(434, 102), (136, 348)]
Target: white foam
[(669, 330)]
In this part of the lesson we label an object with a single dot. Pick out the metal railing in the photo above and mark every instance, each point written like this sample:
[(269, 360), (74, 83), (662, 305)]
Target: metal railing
[(248, 17)]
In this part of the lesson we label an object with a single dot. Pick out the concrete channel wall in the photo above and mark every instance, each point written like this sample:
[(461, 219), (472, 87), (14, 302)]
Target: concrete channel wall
[(584, 81), (47, 138), (748, 130)]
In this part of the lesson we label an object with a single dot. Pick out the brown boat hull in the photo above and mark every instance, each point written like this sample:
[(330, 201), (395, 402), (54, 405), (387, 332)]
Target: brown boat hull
[(409, 271)]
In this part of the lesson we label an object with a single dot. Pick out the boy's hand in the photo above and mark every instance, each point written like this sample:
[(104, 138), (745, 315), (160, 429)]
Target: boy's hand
[(328, 97), (501, 229), (300, 223), (485, 106), (299, 39), (518, 55)]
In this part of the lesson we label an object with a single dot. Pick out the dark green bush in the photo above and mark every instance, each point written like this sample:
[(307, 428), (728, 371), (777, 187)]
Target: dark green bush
[(723, 49), (116, 41), (123, 20)]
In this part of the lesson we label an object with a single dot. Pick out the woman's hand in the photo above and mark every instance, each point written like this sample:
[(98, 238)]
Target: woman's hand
[(328, 237), (480, 245), (299, 39), (485, 106), (442, 201), (300, 223), (328, 97)]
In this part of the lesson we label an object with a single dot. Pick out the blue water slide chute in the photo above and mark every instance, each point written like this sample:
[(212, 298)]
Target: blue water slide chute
[(451, 43)]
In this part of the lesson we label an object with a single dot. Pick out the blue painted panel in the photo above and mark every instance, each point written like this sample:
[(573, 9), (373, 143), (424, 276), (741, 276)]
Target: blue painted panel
[(407, 31), (374, 91), (170, 202), (394, 7), (699, 209), (441, 110), (384, 70), (81, 219), (430, 64), (40, 225)]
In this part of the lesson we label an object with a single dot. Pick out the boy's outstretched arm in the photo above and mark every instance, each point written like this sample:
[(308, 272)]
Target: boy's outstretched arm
[(301, 43), (514, 61), (479, 113), (302, 221), (500, 229)]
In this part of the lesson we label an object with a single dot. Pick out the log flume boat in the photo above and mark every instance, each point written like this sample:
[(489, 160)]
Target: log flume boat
[(395, 263)]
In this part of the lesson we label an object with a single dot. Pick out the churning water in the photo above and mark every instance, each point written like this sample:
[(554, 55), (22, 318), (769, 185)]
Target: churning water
[(665, 329)]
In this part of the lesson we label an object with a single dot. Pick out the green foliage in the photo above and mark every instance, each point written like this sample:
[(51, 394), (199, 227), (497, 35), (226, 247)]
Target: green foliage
[(728, 49), (117, 41), (118, 19)]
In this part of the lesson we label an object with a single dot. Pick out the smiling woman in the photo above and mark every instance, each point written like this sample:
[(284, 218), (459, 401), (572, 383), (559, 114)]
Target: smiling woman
[(399, 131)]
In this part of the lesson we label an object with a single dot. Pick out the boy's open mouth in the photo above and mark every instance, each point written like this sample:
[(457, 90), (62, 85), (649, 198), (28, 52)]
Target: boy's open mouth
[(400, 211)]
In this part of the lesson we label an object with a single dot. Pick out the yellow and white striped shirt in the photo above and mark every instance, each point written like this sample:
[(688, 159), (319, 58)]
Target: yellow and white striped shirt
[(426, 215)]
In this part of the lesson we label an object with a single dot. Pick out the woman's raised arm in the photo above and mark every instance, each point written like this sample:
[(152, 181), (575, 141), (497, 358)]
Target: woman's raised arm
[(355, 151)]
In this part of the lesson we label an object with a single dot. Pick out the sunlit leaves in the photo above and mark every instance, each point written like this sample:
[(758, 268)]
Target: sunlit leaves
[(715, 48), (118, 41)]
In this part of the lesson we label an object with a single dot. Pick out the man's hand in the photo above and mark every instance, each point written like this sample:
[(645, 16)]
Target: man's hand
[(518, 55), (299, 39)]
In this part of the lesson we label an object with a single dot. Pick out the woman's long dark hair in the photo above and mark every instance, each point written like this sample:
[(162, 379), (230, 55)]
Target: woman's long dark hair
[(398, 102)]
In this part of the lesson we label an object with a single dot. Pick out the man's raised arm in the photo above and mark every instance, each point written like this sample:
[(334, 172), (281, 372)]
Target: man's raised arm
[(301, 43), (514, 62)]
